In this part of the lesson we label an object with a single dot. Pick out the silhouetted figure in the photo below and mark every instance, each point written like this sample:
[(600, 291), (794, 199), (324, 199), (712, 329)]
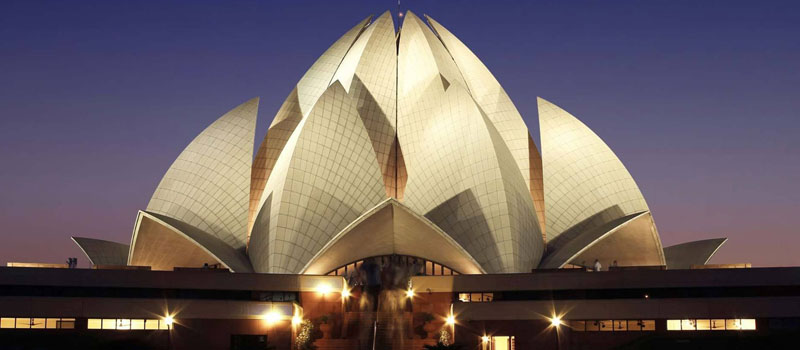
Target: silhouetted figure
[(72, 263)]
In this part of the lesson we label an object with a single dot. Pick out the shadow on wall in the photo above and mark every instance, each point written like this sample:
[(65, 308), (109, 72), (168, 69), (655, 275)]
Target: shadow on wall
[(317, 237), (258, 245), (593, 222), (462, 219)]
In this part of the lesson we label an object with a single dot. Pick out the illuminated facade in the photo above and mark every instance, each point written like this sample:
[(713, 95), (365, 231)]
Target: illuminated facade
[(413, 118), (397, 199)]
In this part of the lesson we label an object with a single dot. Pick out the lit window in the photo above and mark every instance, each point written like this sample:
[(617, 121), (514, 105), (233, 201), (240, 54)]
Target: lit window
[(733, 324), (578, 326), (137, 324), (52, 323), (109, 323), (7, 322), (618, 325), (67, 323), (502, 343), (118, 324), (23, 323), (748, 324), (673, 325), (488, 296), (463, 297), (123, 324), (94, 323), (712, 324), (151, 324), (38, 323), (475, 297), (718, 325)]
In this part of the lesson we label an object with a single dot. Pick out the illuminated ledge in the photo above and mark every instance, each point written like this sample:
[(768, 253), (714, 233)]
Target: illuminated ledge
[(392, 228), (165, 243), (102, 252), (630, 240), (36, 265), (685, 255)]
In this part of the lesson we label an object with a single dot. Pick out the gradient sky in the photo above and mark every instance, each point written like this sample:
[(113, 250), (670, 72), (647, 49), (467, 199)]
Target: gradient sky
[(699, 99)]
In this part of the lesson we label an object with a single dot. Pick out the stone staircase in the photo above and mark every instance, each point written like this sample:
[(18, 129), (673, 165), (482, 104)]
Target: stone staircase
[(393, 331)]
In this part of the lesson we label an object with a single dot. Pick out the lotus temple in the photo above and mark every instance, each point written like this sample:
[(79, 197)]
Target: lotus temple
[(397, 201)]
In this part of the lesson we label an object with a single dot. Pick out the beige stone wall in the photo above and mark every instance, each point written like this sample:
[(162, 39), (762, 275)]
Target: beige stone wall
[(461, 174), (326, 177), (582, 176), (208, 184)]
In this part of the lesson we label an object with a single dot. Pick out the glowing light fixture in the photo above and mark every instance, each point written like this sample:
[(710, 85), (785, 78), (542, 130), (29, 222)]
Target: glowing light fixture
[(451, 320), (345, 293), (296, 320), (272, 317), (323, 289), (555, 321), (410, 293), (485, 338), (168, 320)]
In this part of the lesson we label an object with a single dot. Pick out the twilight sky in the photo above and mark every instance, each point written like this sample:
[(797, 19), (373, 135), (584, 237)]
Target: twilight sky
[(699, 99)]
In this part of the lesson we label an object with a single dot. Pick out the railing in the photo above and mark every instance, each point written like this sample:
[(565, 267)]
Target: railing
[(374, 332)]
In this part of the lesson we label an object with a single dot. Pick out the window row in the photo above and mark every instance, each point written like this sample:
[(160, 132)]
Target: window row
[(415, 266), (499, 342), (475, 297), (37, 323), (126, 324), (611, 325), (737, 324), (277, 296)]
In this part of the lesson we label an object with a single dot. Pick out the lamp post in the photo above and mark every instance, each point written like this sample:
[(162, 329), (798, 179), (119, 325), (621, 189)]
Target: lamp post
[(556, 323), (169, 321)]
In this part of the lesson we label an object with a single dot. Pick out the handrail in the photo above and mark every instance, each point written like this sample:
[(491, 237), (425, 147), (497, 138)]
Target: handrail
[(374, 332)]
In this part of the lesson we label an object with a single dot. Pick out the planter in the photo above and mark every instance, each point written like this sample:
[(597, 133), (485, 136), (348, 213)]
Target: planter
[(326, 330)]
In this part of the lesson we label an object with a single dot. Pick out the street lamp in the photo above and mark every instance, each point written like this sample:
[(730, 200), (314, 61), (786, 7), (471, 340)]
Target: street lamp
[(324, 289), (555, 322), (451, 320), (168, 320), (272, 317)]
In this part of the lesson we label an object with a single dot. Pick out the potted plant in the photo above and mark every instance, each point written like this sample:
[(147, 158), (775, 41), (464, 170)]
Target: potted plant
[(304, 339), (325, 326), (427, 324)]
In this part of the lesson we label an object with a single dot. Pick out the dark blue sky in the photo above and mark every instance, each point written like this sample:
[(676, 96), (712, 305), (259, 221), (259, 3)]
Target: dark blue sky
[(699, 99)]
